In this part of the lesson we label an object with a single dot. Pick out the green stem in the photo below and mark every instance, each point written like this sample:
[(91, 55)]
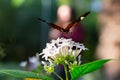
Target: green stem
[(66, 72), (58, 76)]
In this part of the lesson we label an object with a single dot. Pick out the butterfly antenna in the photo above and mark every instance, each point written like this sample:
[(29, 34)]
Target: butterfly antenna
[(43, 20)]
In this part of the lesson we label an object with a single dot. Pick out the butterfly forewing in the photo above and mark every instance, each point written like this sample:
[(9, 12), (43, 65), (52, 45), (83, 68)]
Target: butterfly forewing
[(70, 25), (76, 22), (84, 15), (56, 26), (51, 24)]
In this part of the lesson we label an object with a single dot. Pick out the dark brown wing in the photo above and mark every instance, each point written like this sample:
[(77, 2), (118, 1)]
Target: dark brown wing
[(76, 22), (51, 24)]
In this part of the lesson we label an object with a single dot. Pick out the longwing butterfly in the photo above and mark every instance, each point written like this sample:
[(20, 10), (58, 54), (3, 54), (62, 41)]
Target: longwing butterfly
[(70, 25)]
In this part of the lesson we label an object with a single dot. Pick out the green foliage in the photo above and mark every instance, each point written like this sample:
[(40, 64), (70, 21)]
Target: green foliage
[(25, 74), (67, 2), (76, 72), (87, 68)]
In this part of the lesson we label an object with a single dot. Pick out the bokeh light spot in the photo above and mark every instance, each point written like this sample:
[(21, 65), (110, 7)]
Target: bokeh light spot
[(17, 3)]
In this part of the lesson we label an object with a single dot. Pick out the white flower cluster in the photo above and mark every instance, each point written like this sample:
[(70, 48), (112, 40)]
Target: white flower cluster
[(57, 46)]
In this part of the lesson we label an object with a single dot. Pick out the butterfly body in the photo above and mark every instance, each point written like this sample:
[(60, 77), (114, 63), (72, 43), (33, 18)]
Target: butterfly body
[(69, 26), (65, 30)]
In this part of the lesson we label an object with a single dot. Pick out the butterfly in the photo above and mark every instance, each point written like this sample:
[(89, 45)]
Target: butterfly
[(69, 26)]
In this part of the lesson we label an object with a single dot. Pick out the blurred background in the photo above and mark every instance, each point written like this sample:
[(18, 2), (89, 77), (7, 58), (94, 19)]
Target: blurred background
[(22, 35)]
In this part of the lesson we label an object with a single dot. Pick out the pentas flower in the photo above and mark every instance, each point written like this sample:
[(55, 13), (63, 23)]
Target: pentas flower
[(62, 51)]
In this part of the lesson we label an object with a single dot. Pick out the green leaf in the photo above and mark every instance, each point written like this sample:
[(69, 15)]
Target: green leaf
[(25, 74), (81, 70)]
